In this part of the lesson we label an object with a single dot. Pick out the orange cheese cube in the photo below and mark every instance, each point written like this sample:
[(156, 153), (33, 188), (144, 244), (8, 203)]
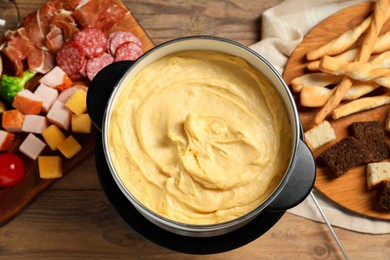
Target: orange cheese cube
[(69, 147), (77, 103), (81, 123), (50, 167), (53, 136)]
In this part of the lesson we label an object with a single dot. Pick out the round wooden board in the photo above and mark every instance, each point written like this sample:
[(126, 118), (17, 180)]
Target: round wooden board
[(349, 190)]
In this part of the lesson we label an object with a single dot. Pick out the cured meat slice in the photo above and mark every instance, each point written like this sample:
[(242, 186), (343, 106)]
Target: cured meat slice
[(113, 13), (100, 14), (128, 51), (71, 58), (70, 4), (37, 23), (17, 49), (64, 20), (54, 39), (94, 65), (76, 76), (40, 61), (118, 38), (93, 42)]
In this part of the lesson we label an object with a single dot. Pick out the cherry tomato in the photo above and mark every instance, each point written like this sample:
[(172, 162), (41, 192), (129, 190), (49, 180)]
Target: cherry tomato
[(11, 169)]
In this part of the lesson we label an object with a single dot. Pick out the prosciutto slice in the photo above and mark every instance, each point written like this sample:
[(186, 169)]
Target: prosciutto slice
[(99, 14), (64, 20), (17, 49), (37, 23), (40, 61), (54, 39)]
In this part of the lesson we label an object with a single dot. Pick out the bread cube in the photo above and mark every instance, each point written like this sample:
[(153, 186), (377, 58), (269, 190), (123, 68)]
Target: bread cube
[(376, 173), (77, 103), (69, 147), (34, 124), (53, 136), (12, 120), (50, 167), (320, 135), (32, 146), (81, 123)]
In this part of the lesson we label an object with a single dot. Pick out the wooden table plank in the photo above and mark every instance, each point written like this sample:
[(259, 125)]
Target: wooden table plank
[(73, 219)]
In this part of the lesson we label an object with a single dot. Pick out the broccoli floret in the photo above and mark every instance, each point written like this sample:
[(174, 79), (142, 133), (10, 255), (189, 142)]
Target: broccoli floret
[(10, 85)]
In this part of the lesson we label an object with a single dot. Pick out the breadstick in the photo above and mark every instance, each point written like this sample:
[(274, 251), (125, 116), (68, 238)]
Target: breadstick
[(314, 79), (364, 71), (361, 104), (315, 96), (341, 43), (382, 45), (378, 18), (346, 56), (382, 60)]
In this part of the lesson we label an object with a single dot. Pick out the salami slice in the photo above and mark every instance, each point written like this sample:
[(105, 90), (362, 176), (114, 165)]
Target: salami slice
[(75, 76), (94, 65), (71, 58), (118, 38), (128, 51), (93, 41)]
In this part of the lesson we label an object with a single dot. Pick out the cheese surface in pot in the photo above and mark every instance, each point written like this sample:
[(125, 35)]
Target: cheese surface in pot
[(199, 137)]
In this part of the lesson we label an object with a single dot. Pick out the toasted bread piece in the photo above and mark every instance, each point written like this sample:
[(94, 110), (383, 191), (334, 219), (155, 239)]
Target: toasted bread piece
[(372, 136), (383, 195), (320, 135), (344, 155), (376, 173)]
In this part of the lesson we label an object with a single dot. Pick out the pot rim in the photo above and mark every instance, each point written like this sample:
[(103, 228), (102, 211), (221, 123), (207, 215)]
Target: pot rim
[(199, 228)]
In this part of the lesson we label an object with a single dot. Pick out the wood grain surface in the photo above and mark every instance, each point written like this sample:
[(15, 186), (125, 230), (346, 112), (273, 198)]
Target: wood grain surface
[(73, 219), (350, 190)]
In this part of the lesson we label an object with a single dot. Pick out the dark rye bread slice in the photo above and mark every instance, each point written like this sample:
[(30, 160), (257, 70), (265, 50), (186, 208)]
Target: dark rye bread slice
[(344, 155), (383, 194), (371, 134)]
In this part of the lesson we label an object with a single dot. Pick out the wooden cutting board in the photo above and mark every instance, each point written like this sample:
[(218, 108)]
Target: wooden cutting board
[(350, 190), (14, 200)]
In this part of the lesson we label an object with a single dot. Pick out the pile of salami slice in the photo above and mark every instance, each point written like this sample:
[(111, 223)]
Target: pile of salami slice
[(91, 50)]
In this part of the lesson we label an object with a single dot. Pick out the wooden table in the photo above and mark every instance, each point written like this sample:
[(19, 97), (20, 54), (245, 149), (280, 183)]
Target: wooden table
[(73, 219)]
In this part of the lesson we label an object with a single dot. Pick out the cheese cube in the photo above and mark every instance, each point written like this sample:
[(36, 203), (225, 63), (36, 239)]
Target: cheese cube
[(50, 167), (32, 146), (53, 136), (69, 147), (34, 124), (77, 103), (81, 123)]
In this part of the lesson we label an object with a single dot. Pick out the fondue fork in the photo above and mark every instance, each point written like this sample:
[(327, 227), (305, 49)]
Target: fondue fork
[(329, 226)]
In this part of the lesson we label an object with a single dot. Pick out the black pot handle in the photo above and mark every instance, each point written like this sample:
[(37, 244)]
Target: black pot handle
[(100, 90), (300, 183)]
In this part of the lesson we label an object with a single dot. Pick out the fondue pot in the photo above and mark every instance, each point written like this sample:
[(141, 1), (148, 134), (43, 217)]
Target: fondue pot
[(293, 188)]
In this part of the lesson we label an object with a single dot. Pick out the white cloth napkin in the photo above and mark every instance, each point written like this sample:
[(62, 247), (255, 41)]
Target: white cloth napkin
[(283, 28)]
